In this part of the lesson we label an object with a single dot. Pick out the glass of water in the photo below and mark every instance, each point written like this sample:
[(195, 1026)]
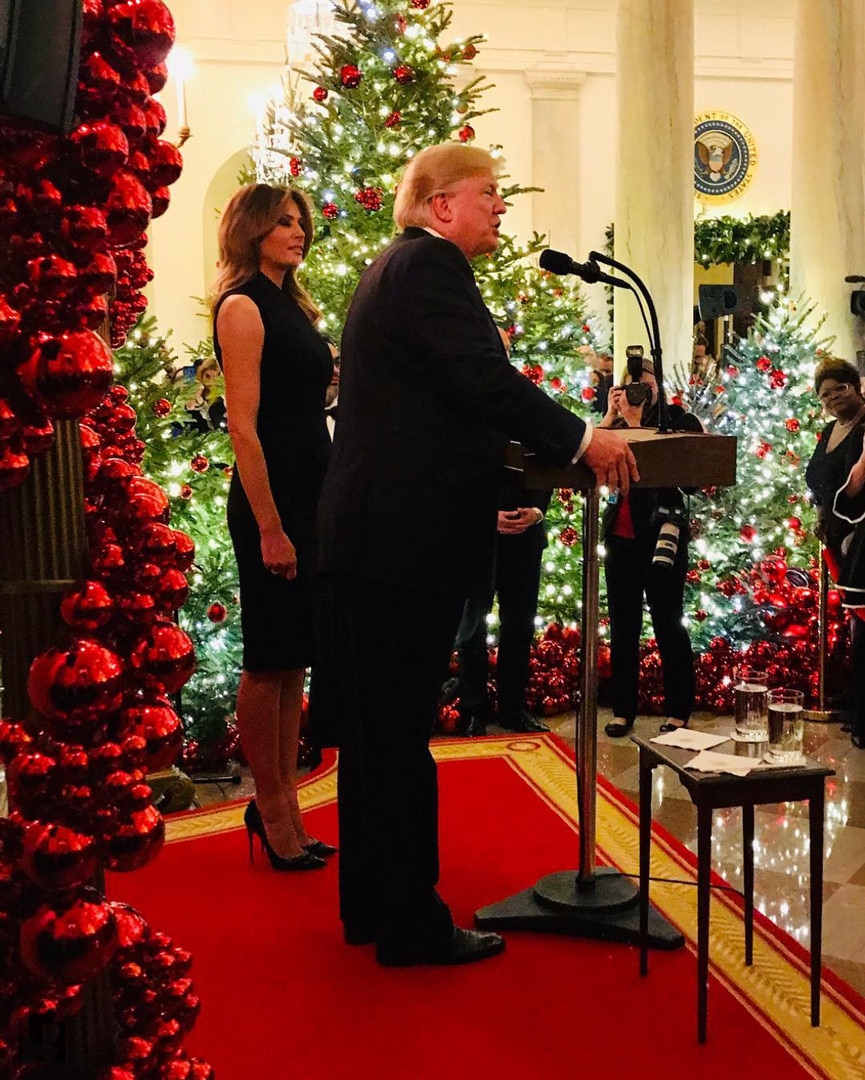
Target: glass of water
[(786, 727), (750, 687)]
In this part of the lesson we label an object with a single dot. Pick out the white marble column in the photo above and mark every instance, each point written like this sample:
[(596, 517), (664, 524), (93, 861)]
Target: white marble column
[(654, 220), (556, 156), (828, 197)]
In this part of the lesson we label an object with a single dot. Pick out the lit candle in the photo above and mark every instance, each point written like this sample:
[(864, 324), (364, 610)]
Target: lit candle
[(180, 68)]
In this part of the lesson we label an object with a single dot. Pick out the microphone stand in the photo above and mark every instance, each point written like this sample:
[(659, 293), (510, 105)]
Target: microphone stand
[(664, 427)]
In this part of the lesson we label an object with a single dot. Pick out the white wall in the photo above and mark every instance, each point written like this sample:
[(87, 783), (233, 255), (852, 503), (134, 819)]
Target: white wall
[(743, 64)]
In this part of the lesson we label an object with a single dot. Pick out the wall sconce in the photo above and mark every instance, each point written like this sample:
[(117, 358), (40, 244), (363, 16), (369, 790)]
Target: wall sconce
[(181, 68)]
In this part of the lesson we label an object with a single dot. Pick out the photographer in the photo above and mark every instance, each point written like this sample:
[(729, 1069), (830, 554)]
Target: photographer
[(646, 538)]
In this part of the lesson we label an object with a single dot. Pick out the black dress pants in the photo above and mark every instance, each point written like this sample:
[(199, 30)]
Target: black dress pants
[(516, 579), (388, 682), (631, 575)]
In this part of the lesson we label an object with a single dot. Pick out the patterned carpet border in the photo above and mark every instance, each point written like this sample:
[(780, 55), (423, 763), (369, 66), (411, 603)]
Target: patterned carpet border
[(775, 989)]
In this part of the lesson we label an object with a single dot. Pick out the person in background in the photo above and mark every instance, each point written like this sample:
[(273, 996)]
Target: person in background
[(835, 476), (428, 402), (277, 369), (602, 381), (206, 409), (515, 579), (635, 567)]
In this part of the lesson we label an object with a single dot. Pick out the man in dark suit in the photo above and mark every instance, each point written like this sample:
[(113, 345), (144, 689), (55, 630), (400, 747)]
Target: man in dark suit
[(428, 402)]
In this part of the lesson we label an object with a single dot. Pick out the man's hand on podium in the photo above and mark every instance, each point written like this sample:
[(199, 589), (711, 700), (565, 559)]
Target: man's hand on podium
[(611, 459)]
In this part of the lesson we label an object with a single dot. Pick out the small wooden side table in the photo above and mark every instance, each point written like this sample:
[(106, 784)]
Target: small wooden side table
[(710, 792)]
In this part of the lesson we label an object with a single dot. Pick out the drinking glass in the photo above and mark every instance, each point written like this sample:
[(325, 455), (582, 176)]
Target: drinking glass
[(786, 727), (750, 687)]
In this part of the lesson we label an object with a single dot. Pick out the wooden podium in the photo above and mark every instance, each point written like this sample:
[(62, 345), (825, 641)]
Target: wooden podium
[(591, 902)]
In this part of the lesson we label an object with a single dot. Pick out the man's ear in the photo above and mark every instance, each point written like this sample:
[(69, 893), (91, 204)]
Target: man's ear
[(440, 209)]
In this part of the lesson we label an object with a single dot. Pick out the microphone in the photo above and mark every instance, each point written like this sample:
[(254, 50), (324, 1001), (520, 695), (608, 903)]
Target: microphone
[(557, 262)]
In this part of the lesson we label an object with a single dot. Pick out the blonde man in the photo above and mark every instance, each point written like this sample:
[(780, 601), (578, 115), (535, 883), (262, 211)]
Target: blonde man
[(428, 402)]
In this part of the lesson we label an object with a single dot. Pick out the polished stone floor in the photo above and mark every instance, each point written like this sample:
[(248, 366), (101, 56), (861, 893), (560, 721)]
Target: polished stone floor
[(781, 834)]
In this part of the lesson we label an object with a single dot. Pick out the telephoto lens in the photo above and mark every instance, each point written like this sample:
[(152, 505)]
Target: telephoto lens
[(667, 545)]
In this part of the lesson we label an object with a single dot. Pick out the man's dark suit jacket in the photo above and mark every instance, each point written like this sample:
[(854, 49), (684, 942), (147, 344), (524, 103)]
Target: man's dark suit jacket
[(428, 402)]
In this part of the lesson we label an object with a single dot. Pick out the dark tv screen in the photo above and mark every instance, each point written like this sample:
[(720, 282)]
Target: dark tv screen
[(39, 49)]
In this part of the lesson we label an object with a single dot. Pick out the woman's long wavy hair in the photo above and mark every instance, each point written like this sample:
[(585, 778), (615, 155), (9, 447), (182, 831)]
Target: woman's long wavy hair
[(248, 217)]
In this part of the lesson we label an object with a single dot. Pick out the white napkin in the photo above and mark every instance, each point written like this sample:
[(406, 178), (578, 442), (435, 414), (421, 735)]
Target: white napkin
[(687, 739), (712, 761)]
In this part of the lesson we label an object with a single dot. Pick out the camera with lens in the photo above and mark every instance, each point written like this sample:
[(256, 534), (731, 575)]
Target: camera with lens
[(636, 392), (671, 518)]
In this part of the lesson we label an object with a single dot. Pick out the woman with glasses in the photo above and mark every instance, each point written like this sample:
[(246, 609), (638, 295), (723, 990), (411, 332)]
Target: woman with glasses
[(836, 477)]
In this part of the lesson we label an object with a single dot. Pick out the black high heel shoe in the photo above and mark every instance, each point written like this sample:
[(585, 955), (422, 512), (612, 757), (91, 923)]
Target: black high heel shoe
[(319, 847), (670, 726), (255, 827)]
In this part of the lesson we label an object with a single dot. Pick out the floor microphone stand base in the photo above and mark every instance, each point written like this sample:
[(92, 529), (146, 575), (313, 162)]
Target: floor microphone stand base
[(605, 908)]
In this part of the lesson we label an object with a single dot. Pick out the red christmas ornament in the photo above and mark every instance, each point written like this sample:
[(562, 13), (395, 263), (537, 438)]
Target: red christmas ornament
[(350, 76), (320, 94), (164, 653), (166, 164), (80, 684), (369, 198), (160, 198), (534, 373), (466, 133), (764, 364), (330, 211), (569, 536), (184, 550), (469, 52), (88, 607), (172, 590), (157, 77), (102, 147), (421, 5), (588, 393), (57, 857), (792, 424), (295, 166), (747, 533), (128, 209), (403, 74), (778, 379), (133, 840), (14, 738), (186, 492), (145, 501), (69, 374), (394, 119), (144, 26), (71, 939), (51, 277), (10, 320), (158, 724), (161, 407), (99, 273), (199, 464), (217, 613), (400, 23), (14, 468)]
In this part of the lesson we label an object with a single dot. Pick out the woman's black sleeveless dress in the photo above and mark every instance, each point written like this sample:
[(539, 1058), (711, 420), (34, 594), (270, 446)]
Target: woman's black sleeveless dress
[(296, 367)]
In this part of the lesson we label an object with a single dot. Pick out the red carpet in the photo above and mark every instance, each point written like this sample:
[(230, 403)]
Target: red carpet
[(284, 997)]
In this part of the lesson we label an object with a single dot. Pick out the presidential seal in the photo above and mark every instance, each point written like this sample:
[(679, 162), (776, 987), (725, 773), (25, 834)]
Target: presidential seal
[(725, 157)]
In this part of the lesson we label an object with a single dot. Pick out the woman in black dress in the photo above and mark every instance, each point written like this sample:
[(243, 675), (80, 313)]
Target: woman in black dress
[(635, 567), (836, 476), (277, 370)]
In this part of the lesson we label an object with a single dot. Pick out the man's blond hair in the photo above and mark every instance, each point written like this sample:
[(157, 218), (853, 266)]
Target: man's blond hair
[(437, 169)]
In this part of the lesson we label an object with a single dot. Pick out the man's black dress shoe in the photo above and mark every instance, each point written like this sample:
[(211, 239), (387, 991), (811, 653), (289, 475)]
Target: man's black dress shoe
[(523, 722), (616, 731), (464, 947), (473, 725)]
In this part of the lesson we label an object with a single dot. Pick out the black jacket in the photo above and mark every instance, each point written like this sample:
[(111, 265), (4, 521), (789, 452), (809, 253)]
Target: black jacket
[(428, 402)]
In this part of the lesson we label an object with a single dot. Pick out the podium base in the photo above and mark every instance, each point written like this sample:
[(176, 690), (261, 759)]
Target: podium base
[(607, 909)]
